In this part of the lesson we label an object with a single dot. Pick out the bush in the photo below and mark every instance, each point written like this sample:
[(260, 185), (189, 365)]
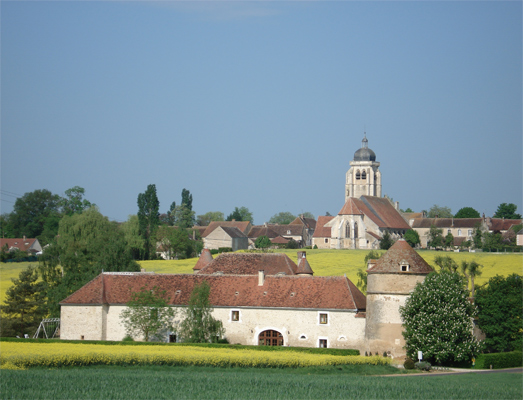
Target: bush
[(499, 360), (422, 365), (128, 338), (409, 363)]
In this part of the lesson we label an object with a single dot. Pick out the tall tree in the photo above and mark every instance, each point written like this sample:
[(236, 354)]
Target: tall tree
[(135, 242), (471, 269), (175, 242), (282, 218), (449, 240), (148, 314), (24, 302), (507, 211), (33, 211), (207, 218), (439, 212), (184, 217), (87, 243), (73, 202), (412, 237), (437, 319), (148, 218), (240, 214), (386, 241), (446, 263), (500, 307), (467, 212), (435, 237), (199, 326)]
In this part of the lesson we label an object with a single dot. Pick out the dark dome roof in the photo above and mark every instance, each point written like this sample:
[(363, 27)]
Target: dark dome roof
[(364, 154)]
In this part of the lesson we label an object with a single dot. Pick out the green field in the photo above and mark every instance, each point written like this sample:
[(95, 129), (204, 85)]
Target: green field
[(323, 263), (251, 383)]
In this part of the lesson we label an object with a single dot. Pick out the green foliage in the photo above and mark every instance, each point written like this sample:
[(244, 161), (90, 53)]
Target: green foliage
[(437, 320), (362, 273), (409, 210), (148, 218), (412, 238), (500, 310), (422, 365), (292, 244), (73, 202), (135, 242), (409, 363), (199, 326), (24, 305), (386, 241), (282, 218), (148, 314), (207, 218), (507, 211), (467, 212), (87, 243), (439, 212), (471, 269), (435, 237), (184, 216), (263, 242), (511, 359), (240, 214), (449, 240), (176, 242), (33, 212)]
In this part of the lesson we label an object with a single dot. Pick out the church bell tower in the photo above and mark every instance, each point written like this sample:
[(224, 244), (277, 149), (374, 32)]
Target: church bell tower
[(364, 177)]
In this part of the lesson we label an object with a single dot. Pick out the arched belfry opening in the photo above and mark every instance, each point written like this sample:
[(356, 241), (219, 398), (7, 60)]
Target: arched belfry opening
[(363, 178)]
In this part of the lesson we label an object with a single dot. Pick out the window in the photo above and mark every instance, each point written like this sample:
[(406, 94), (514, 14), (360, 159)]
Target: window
[(324, 318), (358, 175), (270, 338), (288, 232), (172, 338), (404, 266), (323, 343), (363, 175), (459, 232), (326, 240), (470, 232), (347, 230), (449, 231), (235, 315)]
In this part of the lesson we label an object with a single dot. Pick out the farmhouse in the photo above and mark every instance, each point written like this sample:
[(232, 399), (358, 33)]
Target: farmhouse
[(264, 299)]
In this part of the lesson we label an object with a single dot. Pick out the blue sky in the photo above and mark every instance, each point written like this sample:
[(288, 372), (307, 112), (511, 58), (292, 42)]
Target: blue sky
[(262, 104)]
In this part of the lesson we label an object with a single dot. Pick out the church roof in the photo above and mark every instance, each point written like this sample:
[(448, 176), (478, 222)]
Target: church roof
[(323, 292), (364, 154), (401, 253), (351, 207), (377, 209)]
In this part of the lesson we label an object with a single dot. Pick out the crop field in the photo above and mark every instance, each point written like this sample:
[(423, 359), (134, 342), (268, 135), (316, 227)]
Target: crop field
[(250, 383), (323, 263), (22, 355)]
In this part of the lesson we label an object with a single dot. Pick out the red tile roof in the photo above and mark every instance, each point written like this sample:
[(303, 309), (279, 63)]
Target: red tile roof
[(243, 226), (321, 230), (250, 264), (499, 224), (20, 243), (469, 223), (288, 230), (308, 222), (351, 207), (280, 240), (333, 292), (261, 230), (303, 264), (382, 212), (400, 252)]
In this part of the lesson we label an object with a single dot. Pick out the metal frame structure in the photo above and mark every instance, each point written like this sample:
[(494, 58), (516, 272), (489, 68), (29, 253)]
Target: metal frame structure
[(50, 323)]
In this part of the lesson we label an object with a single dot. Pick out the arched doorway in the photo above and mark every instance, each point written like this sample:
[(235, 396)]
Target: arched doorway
[(270, 338)]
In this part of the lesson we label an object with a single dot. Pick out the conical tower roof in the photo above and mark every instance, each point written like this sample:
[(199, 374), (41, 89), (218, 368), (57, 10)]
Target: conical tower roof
[(204, 260), (303, 265), (401, 254)]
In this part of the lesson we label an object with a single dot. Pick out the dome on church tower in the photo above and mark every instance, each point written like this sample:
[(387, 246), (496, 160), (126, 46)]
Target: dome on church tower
[(364, 154)]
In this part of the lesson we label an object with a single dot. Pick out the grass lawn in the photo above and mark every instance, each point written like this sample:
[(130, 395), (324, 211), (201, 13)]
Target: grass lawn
[(251, 383)]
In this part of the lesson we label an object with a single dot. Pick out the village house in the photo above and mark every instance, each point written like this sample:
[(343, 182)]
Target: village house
[(30, 246)]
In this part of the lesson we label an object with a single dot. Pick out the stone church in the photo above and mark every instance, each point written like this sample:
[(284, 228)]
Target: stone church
[(365, 216)]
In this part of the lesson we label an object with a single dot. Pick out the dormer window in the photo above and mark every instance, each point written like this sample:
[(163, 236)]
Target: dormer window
[(288, 232), (404, 266)]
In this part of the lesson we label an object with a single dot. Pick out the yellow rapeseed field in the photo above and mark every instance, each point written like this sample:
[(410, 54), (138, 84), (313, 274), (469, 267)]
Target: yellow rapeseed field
[(16, 355)]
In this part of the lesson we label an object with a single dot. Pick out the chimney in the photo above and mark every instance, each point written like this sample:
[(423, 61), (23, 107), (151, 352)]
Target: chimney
[(24, 238), (301, 254), (397, 205), (261, 277)]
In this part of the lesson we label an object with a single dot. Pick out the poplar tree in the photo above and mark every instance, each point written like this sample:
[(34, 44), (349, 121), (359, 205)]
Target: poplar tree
[(149, 220)]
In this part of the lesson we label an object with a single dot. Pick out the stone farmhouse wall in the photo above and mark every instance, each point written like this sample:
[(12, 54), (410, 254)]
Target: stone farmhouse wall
[(300, 328)]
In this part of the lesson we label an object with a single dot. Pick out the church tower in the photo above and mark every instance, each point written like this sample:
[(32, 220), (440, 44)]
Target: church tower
[(364, 177)]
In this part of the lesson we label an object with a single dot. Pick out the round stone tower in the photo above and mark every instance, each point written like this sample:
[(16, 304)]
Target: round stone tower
[(364, 177), (390, 281)]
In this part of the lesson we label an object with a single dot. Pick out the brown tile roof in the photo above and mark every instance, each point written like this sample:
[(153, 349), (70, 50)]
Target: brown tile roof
[(382, 212), (204, 260), (280, 240), (469, 223), (351, 207), (288, 230), (261, 230), (200, 229), (20, 243), (332, 292), (233, 232), (250, 264), (303, 264), (412, 215), (322, 230), (241, 225), (499, 224), (398, 253), (308, 222)]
